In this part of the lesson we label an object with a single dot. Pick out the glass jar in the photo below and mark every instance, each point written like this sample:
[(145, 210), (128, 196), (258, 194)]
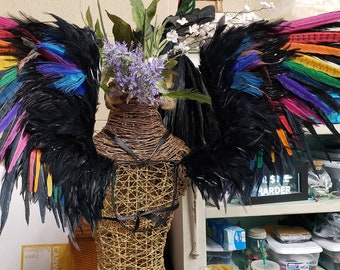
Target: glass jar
[(256, 245)]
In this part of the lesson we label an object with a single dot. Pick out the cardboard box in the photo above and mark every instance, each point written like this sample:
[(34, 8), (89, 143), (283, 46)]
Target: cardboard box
[(229, 236)]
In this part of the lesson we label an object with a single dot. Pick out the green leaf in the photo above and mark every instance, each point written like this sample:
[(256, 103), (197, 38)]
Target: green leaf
[(138, 14), (105, 88), (172, 62), (98, 31), (147, 30), (188, 94), (88, 16), (103, 31), (121, 30), (151, 10)]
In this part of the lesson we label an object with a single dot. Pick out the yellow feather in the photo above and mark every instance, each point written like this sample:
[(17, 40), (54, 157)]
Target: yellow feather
[(7, 62), (272, 155), (49, 184), (37, 171), (319, 65)]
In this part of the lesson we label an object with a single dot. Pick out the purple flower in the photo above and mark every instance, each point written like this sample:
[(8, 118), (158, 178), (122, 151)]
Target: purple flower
[(133, 75)]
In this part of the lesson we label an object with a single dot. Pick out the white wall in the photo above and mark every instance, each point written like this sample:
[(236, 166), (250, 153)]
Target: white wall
[(16, 231)]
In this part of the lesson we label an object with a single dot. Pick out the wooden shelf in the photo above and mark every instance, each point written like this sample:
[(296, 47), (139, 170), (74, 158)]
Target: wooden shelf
[(271, 209), (323, 130)]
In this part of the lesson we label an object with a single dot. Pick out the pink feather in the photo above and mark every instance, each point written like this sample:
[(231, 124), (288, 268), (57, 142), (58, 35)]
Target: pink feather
[(20, 147), (308, 23), (298, 108), (11, 136), (6, 23)]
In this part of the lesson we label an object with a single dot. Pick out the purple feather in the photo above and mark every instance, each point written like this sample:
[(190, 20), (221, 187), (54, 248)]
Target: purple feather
[(297, 89), (11, 136), (9, 117)]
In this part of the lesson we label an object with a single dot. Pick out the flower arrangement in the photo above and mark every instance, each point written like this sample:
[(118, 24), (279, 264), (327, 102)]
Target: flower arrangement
[(132, 75), (196, 33), (137, 65)]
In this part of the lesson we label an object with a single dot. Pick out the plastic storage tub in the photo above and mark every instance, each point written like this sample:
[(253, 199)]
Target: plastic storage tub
[(330, 256), (216, 254), (294, 255)]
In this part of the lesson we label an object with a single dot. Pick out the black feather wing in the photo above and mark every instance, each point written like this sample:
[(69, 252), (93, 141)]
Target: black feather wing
[(49, 97), (264, 89)]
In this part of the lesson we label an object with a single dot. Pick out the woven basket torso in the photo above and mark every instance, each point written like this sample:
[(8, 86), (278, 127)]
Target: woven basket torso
[(149, 182)]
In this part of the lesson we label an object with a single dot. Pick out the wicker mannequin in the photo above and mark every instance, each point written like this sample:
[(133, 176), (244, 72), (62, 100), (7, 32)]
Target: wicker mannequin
[(149, 182)]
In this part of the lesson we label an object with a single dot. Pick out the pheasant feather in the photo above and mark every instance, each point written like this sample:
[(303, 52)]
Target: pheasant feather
[(300, 25), (267, 80)]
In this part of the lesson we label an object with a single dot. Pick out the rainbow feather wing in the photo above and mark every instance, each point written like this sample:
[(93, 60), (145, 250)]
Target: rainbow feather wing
[(267, 80), (49, 82)]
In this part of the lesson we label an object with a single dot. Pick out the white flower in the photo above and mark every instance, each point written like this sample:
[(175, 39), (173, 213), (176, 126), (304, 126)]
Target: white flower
[(246, 8), (182, 47), (182, 21), (172, 36), (194, 29), (267, 5)]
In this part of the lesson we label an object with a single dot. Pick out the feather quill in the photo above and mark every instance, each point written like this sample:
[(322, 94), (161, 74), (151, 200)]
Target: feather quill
[(308, 23), (316, 75), (315, 37), (318, 65)]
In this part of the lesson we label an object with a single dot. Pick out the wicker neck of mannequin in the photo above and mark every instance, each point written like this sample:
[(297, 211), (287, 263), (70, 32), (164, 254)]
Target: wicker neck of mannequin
[(136, 118)]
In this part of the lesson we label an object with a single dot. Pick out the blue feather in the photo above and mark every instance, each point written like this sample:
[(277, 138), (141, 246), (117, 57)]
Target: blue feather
[(244, 46), (53, 48), (245, 61), (65, 78), (247, 82), (9, 91), (53, 52)]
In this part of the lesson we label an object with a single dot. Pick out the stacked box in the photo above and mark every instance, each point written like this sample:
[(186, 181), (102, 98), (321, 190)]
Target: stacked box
[(294, 255), (230, 237), (330, 256)]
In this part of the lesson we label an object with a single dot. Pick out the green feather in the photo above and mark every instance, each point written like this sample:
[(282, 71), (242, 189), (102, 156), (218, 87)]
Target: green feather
[(8, 77), (316, 75)]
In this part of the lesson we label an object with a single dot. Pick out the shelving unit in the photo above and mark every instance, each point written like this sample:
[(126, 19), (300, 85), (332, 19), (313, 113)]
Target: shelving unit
[(285, 208), (188, 235)]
